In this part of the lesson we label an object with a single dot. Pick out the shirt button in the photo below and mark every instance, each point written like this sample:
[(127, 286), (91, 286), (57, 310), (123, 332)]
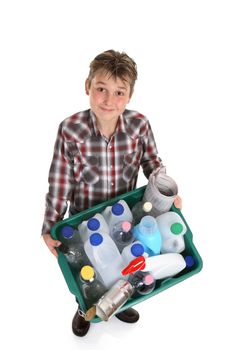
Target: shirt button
[(112, 183)]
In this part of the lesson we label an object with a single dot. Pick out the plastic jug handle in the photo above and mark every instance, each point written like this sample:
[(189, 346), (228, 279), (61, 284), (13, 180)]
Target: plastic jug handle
[(135, 265)]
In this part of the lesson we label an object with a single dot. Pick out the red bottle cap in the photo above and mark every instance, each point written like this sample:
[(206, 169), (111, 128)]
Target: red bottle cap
[(134, 265)]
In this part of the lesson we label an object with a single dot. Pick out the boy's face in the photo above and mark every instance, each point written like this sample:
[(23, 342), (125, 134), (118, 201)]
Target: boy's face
[(108, 96)]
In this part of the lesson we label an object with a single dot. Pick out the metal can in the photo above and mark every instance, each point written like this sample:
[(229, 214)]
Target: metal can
[(114, 299)]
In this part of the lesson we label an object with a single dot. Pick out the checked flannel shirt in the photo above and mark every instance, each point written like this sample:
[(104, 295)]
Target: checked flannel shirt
[(87, 168)]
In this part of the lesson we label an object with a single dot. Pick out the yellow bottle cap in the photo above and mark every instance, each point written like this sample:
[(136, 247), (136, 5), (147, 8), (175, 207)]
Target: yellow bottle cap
[(87, 272)]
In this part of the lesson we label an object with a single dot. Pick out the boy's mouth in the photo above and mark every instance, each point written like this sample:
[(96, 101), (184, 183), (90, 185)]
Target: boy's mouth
[(107, 109)]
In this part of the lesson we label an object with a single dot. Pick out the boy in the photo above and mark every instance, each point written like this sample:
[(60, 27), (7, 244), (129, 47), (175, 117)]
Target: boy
[(98, 152)]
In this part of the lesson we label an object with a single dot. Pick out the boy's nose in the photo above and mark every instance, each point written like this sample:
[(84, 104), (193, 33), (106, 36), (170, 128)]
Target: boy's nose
[(109, 99)]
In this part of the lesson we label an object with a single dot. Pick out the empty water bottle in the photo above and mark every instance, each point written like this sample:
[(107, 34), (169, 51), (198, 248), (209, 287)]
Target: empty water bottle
[(147, 232), (95, 224), (119, 211), (132, 251), (69, 236), (141, 209), (172, 229), (121, 234), (105, 257), (143, 282), (75, 255), (92, 287)]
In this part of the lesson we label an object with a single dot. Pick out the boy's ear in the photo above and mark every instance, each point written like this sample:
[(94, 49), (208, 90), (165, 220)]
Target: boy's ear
[(87, 83)]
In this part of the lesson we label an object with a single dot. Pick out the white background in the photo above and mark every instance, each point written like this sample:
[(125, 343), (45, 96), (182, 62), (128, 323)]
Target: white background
[(184, 54)]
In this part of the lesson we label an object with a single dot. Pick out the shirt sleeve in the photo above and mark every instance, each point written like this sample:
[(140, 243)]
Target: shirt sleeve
[(61, 183), (150, 160)]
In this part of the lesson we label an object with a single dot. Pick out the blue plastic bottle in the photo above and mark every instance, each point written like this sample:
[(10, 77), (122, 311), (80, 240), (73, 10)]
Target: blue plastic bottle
[(147, 232)]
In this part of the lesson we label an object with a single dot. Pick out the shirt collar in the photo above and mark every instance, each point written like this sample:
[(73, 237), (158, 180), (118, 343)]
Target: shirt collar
[(94, 123), (119, 128)]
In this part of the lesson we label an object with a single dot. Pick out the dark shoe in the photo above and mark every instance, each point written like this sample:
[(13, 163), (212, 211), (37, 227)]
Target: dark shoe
[(80, 327), (130, 316)]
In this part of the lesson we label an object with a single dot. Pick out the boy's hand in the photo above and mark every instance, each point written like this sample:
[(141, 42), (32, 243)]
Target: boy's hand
[(178, 202), (51, 243)]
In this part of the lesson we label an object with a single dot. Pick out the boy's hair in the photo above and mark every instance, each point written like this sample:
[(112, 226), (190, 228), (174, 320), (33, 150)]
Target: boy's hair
[(117, 65)]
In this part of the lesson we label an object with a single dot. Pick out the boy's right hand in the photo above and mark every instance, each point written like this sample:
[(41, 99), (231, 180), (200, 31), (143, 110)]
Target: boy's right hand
[(51, 243)]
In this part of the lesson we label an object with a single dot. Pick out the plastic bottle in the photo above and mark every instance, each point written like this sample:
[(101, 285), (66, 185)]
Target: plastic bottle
[(147, 232), (105, 257), (132, 251), (165, 265), (92, 287), (119, 211), (69, 236), (172, 229), (141, 209), (95, 224), (143, 282), (122, 234), (75, 255)]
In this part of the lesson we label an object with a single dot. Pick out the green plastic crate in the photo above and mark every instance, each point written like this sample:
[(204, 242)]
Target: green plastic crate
[(131, 198)]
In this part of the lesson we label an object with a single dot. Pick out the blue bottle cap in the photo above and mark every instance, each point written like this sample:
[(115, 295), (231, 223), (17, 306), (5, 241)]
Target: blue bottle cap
[(189, 261), (96, 239), (137, 249), (67, 231), (117, 209), (93, 224)]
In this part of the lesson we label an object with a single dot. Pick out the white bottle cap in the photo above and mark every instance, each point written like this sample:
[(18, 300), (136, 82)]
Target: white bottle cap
[(147, 206)]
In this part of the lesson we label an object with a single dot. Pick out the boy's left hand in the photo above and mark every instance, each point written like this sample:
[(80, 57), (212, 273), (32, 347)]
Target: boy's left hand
[(178, 202)]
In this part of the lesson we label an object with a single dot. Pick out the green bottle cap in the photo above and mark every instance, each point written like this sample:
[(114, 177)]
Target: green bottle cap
[(176, 228)]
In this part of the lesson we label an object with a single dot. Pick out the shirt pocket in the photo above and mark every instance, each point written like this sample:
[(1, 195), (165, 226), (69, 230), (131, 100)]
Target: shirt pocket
[(86, 169), (131, 163)]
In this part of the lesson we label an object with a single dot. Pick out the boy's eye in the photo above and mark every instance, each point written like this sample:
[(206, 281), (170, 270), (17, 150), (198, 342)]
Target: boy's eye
[(120, 93), (100, 89)]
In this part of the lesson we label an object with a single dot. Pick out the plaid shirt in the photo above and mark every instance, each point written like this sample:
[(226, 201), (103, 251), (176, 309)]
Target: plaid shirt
[(87, 168)]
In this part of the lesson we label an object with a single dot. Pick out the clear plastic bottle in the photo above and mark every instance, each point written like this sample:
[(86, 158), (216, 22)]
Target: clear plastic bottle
[(75, 255), (122, 234), (105, 257), (141, 209), (69, 236), (147, 232), (132, 251), (119, 211), (143, 282), (172, 229), (92, 288), (95, 224)]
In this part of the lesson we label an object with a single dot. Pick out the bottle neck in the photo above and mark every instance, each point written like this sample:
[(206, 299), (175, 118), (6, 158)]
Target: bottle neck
[(148, 225)]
